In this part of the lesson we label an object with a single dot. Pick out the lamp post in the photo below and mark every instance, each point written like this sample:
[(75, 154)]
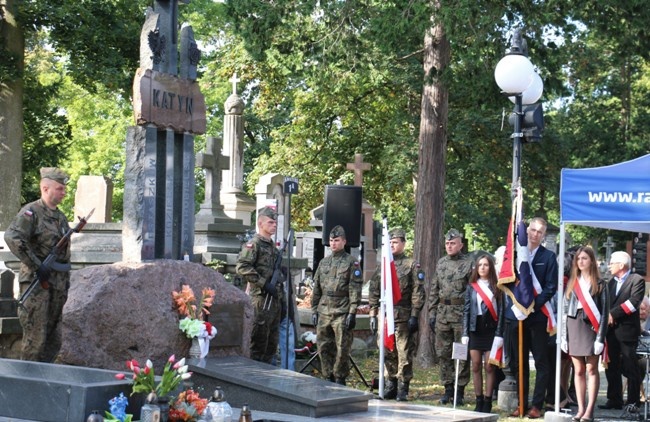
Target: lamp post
[(517, 79)]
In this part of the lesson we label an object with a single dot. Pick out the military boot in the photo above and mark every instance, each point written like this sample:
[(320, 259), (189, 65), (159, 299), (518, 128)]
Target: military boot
[(460, 396), (448, 397), (402, 390), (390, 389), (479, 404), (340, 381)]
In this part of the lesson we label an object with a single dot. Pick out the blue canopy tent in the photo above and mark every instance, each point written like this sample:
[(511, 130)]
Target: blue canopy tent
[(613, 197)]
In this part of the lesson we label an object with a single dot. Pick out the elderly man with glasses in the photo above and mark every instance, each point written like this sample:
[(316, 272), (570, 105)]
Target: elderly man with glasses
[(626, 291)]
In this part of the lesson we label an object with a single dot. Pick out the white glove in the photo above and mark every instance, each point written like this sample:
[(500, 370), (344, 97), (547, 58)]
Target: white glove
[(598, 347), (498, 342), (464, 340), (564, 346)]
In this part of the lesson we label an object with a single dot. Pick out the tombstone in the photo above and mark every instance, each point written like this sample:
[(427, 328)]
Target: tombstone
[(237, 204), (367, 212), (169, 110), (215, 233), (94, 192)]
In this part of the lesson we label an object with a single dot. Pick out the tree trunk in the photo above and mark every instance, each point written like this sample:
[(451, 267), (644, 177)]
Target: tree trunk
[(430, 199), (11, 116)]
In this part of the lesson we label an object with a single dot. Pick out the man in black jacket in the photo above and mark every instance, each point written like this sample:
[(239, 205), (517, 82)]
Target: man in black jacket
[(626, 291), (535, 332)]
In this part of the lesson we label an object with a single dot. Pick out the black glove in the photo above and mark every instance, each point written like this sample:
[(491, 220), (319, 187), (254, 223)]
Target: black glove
[(373, 325), (43, 273), (314, 319), (270, 289), (432, 323), (351, 322), (413, 325)]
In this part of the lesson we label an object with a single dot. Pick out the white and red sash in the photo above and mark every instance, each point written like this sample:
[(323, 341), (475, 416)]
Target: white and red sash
[(581, 289), (547, 309), (496, 353), (487, 296)]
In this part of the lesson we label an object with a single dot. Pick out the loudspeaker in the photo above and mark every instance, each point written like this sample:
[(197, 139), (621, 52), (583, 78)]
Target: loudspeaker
[(343, 207)]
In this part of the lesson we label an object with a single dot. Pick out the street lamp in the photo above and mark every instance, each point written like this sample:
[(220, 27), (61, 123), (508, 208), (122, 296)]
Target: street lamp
[(518, 80)]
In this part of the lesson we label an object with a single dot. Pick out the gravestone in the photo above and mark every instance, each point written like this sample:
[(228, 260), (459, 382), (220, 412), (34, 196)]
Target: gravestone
[(48, 392), (169, 110), (271, 389), (94, 192), (237, 204), (367, 212), (215, 235)]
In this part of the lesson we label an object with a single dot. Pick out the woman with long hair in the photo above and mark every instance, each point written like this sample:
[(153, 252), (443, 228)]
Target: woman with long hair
[(483, 328), (583, 337)]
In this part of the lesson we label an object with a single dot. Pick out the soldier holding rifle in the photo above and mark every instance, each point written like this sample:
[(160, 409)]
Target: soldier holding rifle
[(255, 265), (32, 236)]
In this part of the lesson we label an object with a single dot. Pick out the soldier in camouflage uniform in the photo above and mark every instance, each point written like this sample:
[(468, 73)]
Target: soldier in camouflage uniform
[(336, 296), (399, 362), (32, 235), (446, 301), (255, 265)]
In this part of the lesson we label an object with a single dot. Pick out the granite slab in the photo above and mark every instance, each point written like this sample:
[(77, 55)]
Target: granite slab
[(272, 389), (57, 393)]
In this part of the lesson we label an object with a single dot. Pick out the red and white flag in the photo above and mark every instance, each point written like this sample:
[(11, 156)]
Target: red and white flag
[(391, 293)]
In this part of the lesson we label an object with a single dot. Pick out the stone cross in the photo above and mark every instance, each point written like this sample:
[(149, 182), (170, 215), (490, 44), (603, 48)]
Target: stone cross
[(234, 81), (359, 167), (609, 245), (213, 162)]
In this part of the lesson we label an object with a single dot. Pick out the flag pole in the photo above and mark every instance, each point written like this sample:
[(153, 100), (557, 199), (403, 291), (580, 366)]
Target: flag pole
[(382, 314), (521, 368)]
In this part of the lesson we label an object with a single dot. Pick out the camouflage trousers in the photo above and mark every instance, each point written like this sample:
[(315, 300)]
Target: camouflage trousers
[(266, 329), (399, 362), (41, 323), (334, 345), (446, 335)]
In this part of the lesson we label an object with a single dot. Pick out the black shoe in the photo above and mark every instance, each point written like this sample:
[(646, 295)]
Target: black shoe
[(340, 381), (390, 389), (402, 391), (448, 396), (609, 405)]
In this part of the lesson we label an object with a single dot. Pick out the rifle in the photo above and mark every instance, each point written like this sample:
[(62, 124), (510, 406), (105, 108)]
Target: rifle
[(277, 272), (50, 260)]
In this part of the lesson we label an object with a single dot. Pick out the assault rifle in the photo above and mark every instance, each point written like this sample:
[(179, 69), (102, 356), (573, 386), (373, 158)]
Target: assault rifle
[(277, 276), (50, 261)]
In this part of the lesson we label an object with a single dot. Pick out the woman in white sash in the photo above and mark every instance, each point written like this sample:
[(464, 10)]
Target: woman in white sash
[(483, 329), (585, 330)]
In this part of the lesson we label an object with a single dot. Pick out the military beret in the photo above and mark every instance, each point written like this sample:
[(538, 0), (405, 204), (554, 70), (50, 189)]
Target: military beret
[(55, 174), (337, 231), (268, 212), (452, 234), (397, 233)]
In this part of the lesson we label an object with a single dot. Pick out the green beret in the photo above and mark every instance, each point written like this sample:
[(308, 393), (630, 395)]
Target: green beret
[(397, 233), (55, 174), (452, 234), (337, 231), (268, 212)]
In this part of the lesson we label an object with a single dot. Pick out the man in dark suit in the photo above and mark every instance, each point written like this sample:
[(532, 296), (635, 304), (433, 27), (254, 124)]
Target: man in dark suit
[(536, 337), (626, 292)]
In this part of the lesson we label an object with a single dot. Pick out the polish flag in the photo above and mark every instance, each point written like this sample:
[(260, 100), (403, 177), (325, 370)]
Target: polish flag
[(391, 291)]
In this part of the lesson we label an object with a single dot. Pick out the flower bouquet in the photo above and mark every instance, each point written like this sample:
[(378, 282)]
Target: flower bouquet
[(306, 346), (193, 324), (144, 378), (188, 406)]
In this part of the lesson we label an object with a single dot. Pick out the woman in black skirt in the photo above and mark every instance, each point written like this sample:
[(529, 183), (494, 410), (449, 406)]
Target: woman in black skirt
[(483, 327), (583, 337)]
